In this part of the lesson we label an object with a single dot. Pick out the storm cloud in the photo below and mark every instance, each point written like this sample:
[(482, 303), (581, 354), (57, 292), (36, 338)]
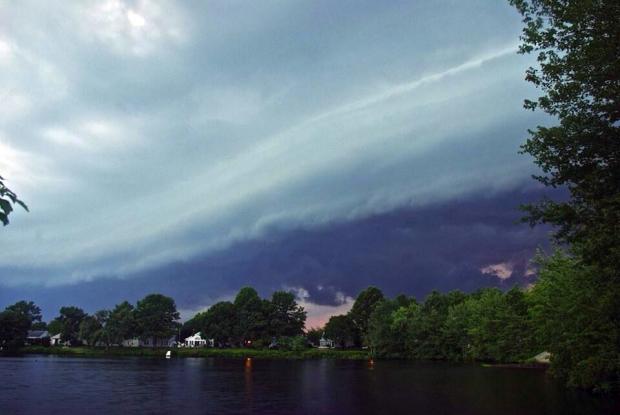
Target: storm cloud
[(166, 145)]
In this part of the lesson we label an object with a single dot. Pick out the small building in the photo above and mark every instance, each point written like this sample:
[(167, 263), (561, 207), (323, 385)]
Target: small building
[(150, 342), (195, 341), (326, 343), (38, 337), (55, 340)]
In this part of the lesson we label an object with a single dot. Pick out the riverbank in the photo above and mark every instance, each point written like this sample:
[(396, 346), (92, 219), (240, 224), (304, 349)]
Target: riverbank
[(198, 352)]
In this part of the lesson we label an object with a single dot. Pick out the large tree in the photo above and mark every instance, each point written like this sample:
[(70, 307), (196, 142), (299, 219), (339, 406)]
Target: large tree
[(69, 322), (251, 311), (363, 307), (219, 322), (28, 309), (121, 323), (286, 317), (578, 50), (13, 329), (156, 316), (341, 330)]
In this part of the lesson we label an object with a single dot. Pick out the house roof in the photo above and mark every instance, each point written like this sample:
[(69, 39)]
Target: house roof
[(37, 334), (195, 337)]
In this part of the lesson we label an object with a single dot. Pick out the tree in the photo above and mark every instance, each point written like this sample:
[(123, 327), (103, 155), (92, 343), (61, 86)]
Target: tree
[(383, 339), (363, 307), (156, 316), (27, 309), (54, 327), (341, 330), (69, 322), (8, 199), (121, 323), (91, 330), (13, 329), (219, 322), (314, 334), (286, 317), (251, 310), (579, 74), (576, 322)]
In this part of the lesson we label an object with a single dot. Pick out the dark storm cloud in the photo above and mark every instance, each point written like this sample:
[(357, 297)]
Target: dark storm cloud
[(147, 133), (442, 246)]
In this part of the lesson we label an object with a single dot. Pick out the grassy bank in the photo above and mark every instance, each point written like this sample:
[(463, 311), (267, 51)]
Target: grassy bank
[(206, 352)]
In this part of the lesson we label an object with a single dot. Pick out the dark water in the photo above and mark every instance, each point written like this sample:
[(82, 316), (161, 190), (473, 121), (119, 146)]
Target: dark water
[(57, 385)]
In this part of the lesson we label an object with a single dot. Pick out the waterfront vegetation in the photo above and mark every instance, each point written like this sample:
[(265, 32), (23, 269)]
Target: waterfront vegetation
[(236, 353)]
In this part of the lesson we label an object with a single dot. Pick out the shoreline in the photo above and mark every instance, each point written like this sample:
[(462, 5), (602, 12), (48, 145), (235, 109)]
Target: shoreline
[(196, 352), (238, 353)]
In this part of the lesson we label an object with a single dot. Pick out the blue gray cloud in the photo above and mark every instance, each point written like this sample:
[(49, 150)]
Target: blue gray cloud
[(146, 134)]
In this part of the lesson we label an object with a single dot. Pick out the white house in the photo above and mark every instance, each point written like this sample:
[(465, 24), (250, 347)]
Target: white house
[(150, 342), (326, 343), (195, 341), (55, 340)]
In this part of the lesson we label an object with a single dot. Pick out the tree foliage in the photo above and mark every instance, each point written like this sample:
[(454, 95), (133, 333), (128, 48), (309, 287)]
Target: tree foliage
[(579, 73), (156, 316), (363, 307), (8, 199), (341, 330), (121, 323), (13, 329), (69, 322), (285, 317), (28, 309), (577, 322)]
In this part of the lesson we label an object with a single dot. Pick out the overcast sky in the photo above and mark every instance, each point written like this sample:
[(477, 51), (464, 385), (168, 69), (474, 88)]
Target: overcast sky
[(192, 148)]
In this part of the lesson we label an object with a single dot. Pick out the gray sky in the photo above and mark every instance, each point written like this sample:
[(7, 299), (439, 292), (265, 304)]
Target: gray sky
[(144, 134)]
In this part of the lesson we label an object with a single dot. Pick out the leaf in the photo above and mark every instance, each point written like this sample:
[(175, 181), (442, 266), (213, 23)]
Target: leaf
[(5, 205), (22, 204)]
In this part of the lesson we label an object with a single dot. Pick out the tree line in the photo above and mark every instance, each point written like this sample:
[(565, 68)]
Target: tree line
[(248, 320)]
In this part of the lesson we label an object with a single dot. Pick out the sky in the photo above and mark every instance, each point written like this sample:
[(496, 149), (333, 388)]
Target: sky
[(192, 148)]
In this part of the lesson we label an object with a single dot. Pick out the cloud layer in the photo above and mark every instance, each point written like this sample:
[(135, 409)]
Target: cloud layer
[(146, 134)]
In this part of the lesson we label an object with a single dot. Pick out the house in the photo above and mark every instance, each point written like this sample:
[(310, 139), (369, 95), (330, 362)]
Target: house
[(55, 340), (150, 342), (37, 337), (195, 341), (326, 343)]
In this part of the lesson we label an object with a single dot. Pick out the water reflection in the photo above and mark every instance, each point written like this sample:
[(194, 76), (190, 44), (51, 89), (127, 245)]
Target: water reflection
[(158, 386)]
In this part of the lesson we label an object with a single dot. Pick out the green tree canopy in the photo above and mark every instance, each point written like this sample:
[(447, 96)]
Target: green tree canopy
[(286, 317), (28, 309), (121, 323), (91, 330), (69, 322), (219, 322), (13, 329), (156, 316), (579, 73), (363, 307), (341, 330), (251, 314)]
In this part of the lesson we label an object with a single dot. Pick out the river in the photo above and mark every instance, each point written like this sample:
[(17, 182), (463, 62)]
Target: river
[(68, 385)]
